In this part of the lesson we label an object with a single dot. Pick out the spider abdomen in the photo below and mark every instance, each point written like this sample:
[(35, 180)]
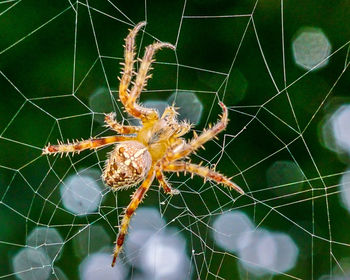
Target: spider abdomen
[(127, 165)]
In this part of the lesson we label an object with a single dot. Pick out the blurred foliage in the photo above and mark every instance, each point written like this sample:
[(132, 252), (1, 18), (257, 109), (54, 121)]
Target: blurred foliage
[(46, 51)]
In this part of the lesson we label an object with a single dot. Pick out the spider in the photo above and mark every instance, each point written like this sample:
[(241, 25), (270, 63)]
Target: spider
[(142, 153)]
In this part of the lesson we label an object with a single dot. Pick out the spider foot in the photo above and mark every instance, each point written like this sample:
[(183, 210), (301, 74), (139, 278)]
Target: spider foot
[(110, 120), (110, 117), (49, 149), (114, 260), (169, 190)]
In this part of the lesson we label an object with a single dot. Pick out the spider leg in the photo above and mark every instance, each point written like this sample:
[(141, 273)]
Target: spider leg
[(169, 116), (128, 64), (78, 146), (185, 127), (163, 182), (136, 199), (122, 129), (142, 76), (185, 149), (129, 54), (206, 173)]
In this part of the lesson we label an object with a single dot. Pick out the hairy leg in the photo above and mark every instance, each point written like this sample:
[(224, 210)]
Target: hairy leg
[(163, 182), (129, 99), (122, 129), (187, 148), (206, 173), (142, 76), (78, 146), (128, 64), (169, 116), (129, 211)]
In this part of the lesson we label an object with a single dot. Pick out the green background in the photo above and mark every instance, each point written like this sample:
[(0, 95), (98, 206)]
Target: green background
[(41, 65)]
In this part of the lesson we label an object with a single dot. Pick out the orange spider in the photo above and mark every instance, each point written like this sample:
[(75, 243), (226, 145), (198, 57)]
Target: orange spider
[(146, 151)]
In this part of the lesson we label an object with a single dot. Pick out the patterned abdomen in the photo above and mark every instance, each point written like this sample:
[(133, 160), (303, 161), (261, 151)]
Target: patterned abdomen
[(127, 165)]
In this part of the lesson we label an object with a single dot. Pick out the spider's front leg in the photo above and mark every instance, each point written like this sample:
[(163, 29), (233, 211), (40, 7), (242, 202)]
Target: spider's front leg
[(136, 199), (140, 83), (185, 149), (206, 173), (129, 55), (78, 146), (129, 99), (128, 65)]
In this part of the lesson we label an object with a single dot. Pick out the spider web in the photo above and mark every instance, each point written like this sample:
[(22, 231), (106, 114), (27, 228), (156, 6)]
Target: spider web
[(282, 70)]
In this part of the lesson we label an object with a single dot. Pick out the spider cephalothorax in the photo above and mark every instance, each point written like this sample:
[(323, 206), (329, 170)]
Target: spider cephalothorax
[(146, 151)]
